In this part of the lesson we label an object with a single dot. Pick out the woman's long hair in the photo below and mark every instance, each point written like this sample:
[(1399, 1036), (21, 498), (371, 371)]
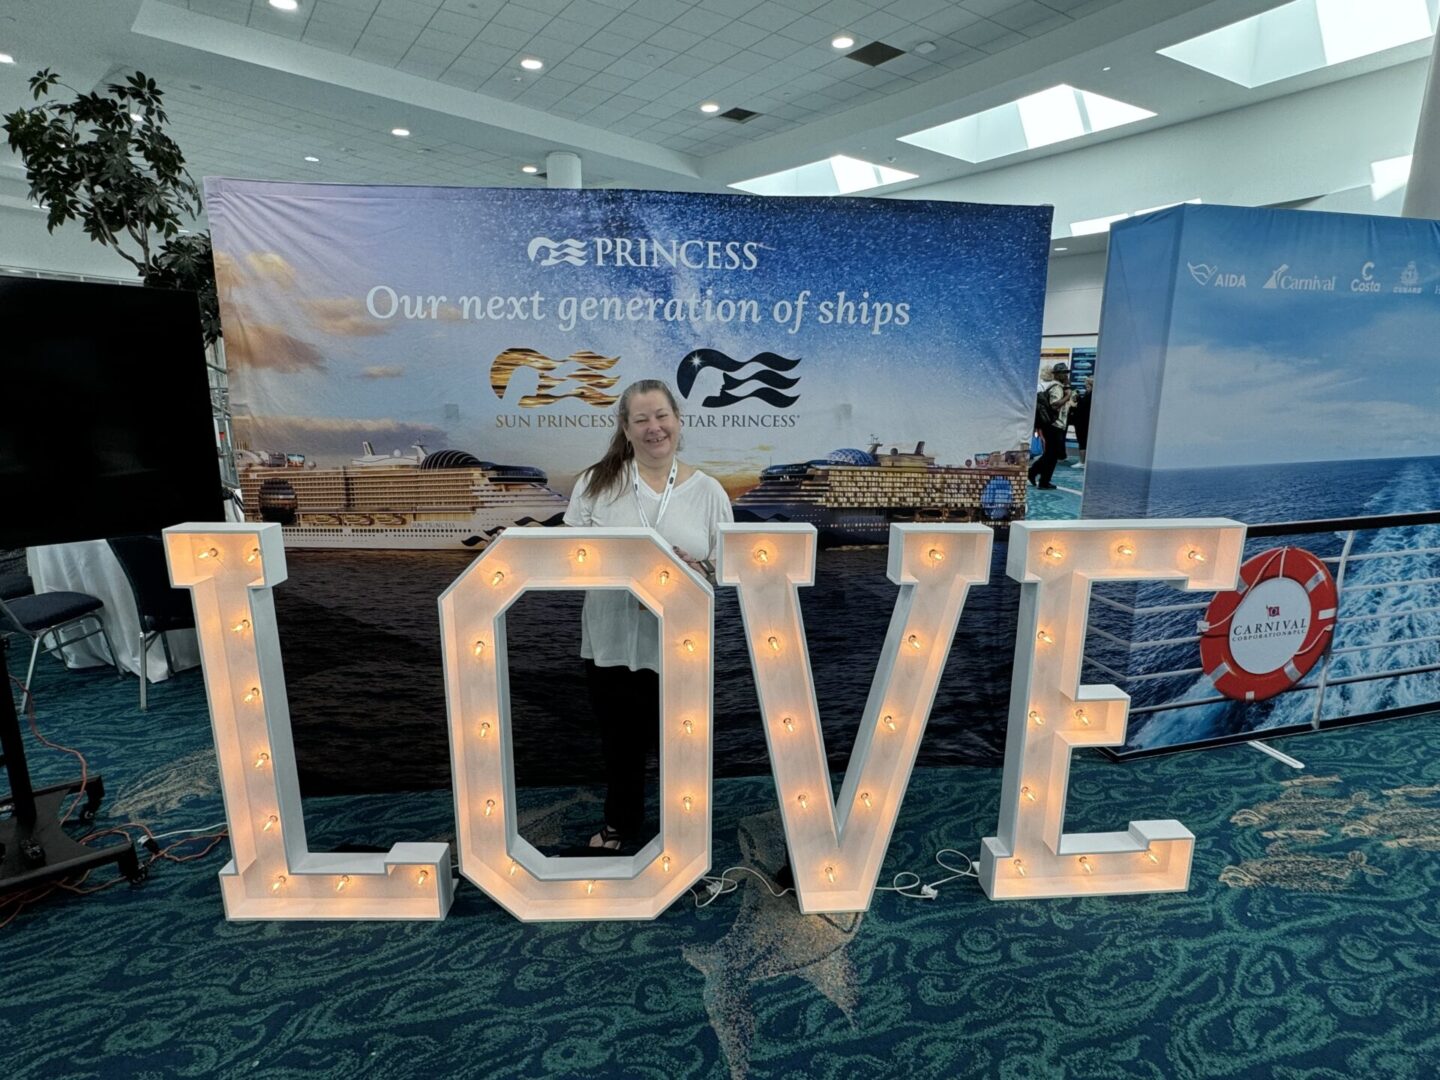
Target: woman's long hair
[(607, 474)]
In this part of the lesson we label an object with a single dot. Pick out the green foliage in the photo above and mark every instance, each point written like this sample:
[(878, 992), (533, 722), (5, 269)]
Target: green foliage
[(105, 161)]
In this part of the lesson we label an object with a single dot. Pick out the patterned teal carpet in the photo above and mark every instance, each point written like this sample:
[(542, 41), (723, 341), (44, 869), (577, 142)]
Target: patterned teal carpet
[(1307, 949)]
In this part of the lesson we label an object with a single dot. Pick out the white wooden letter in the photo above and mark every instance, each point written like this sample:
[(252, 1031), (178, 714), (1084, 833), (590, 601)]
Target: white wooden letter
[(493, 854), (836, 848), (1051, 712), (231, 572)]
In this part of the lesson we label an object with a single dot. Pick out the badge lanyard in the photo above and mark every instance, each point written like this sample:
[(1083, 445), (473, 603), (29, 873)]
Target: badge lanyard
[(664, 499)]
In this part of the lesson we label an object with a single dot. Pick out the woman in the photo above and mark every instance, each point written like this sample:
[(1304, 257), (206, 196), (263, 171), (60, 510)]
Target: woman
[(639, 481)]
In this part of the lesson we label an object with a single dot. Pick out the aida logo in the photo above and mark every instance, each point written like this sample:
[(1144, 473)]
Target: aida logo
[(570, 251), (1202, 272), (1207, 274), (581, 376), (759, 378)]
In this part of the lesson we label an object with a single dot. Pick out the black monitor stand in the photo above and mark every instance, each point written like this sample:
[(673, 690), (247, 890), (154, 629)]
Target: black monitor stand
[(33, 847)]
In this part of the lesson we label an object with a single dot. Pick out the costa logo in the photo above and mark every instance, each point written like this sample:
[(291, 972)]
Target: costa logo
[(1265, 636)]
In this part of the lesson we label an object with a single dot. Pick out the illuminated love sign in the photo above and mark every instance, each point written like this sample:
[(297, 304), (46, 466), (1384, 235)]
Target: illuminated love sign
[(836, 845)]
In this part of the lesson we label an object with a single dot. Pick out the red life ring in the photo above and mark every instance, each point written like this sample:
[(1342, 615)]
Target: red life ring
[(1253, 648)]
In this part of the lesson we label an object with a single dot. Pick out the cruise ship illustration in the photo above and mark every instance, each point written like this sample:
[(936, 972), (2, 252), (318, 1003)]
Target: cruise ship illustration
[(445, 499), (852, 496)]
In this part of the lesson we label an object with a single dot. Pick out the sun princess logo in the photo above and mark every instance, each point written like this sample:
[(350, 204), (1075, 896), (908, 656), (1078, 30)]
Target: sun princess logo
[(646, 251)]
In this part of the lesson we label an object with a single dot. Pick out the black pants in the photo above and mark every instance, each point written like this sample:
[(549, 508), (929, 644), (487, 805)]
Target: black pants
[(627, 710), (1043, 467)]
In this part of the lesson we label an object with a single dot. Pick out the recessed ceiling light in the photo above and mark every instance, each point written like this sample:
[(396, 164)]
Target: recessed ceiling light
[(842, 41), (6, 58), (530, 169), (1105, 68), (311, 157), (403, 133), (924, 48), (285, 5), (530, 63), (136, 118), (709, 107), (1062, 249)]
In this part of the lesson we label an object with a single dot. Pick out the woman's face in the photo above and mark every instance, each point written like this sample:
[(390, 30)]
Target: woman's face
[(652, 428)]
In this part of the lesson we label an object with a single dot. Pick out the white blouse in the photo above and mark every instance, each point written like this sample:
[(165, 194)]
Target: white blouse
[(615, 630)]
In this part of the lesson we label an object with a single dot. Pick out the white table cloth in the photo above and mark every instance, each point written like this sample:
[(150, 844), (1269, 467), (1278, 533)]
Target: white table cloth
[(91, 567)]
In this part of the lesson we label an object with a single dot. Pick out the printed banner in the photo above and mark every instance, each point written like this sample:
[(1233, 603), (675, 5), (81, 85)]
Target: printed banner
[(1268, 366), (417, 368)]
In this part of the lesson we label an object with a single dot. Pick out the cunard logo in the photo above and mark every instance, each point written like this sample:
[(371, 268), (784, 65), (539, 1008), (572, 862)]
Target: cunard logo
[(1409, 280)]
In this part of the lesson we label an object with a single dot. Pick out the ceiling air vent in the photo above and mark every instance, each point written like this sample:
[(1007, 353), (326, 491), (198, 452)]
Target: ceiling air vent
[(739, 115), (875, 54)]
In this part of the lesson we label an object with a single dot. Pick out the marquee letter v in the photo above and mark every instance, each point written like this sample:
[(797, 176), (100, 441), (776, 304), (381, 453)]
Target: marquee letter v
[(836, 848)]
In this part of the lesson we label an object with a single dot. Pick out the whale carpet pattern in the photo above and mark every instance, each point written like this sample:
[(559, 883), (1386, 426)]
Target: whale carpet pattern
[(1266, 968)]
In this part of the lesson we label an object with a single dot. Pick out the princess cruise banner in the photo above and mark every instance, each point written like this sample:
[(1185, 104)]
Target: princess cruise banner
[(1274, 367), (413, 369)]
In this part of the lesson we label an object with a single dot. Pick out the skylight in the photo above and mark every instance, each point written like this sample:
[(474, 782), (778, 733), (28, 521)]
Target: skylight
[(1306, 35), (838, 175), (1041, 119)]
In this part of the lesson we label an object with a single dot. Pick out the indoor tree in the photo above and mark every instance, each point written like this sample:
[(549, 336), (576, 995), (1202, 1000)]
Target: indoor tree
[(105, 161)]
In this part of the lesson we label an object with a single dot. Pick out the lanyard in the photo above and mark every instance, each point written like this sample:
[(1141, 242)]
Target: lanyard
[(664, 499)]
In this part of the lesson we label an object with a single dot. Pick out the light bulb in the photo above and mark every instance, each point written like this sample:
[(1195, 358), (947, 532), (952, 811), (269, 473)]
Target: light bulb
[(789, 723), (1030, 795), (774, 643), (270, 823), (762, 555), (422, 877), (1086, 865), (1125, 549), (344, 880), (252, 555), (665, 864), (207, 553), (1195, 556), (689, 726), (664, 577), (241, 626), (262, 760), (277, 884), (1036, 718), (513, 867), (913, 642), (497, 577), (865, 798), (489, 807), (936, 555), (830, 873), (485, 730), (689, 645), (1044, 635), (1020, 867), (1082, 717), (688, 803), (252, 695), (1052, 552), (803, 800), (1152, 857), (589, 887), (580, 554), (889, 722), (479, 647)]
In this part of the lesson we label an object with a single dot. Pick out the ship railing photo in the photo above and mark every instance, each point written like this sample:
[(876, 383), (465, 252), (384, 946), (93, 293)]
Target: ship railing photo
[(1408, 574)]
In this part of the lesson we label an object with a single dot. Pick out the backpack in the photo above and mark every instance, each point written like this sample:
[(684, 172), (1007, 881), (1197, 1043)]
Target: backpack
[(1047, 415)]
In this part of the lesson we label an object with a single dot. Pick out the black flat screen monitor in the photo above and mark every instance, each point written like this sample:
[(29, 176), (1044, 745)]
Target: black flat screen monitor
[(105, 421)]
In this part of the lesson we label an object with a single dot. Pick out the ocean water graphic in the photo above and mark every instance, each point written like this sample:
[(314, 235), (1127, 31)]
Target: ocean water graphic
[(1387, 613)]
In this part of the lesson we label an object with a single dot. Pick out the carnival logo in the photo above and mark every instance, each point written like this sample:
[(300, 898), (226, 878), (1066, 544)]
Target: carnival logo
[(1202, 272), (763, 370), (557, 251), (1286, 282), (586, 381)]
